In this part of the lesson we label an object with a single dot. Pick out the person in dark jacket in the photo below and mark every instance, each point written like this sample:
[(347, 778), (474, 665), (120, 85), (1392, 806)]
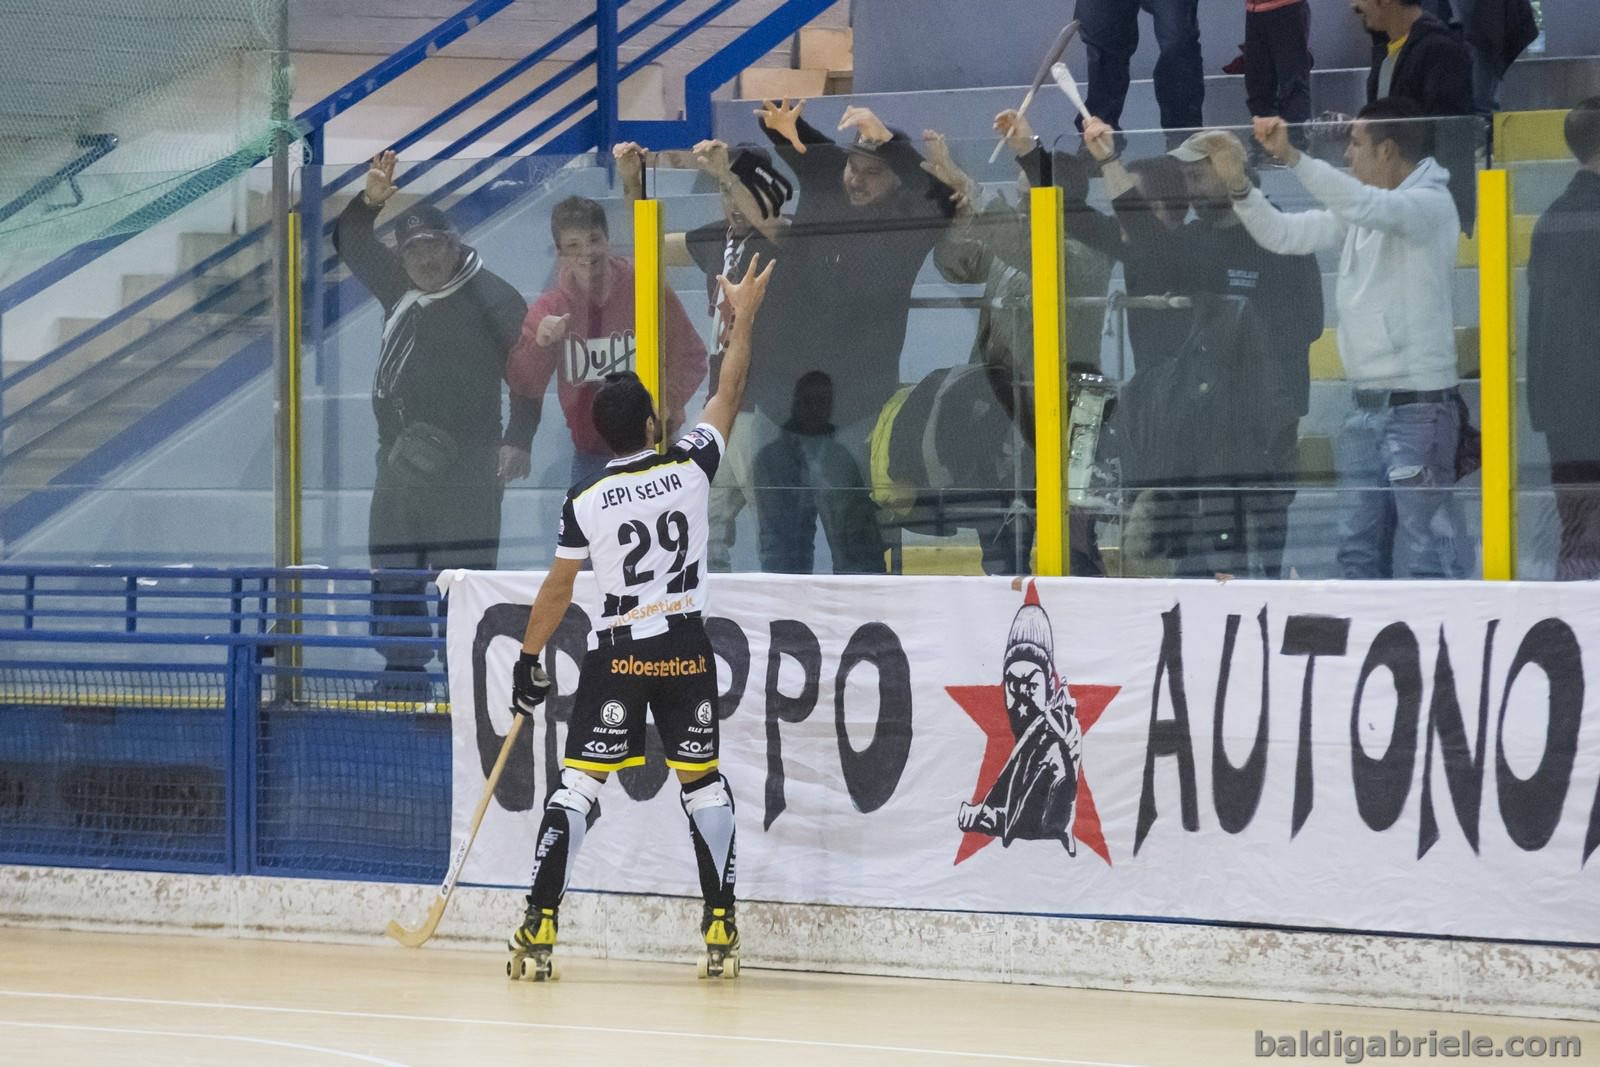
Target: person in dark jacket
[(1496, 32), (1416, 57), (865, 219), (442, 461), (1563, 355), (1233, 520)]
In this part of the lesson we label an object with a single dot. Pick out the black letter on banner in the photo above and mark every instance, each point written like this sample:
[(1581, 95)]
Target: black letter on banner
[(1236, 791), (795, 640), (733, 648), (1169, 738), (1463, 773), (1310, 636), (1531, 807), (517, 785), (1383, 784), (872, 774)]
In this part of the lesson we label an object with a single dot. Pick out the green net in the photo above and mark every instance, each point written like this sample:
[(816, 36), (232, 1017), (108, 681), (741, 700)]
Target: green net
[(113, 115)]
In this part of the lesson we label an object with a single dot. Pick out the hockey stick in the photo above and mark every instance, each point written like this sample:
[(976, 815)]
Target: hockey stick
[(422, 934), (1064, 38), (1063, 78)]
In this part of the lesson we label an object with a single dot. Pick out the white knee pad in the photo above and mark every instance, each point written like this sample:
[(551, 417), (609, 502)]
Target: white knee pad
[(578, 792), (714, 795)]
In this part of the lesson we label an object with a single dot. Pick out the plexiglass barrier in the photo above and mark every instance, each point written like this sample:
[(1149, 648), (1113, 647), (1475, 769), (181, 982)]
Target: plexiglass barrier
[(1285, 352), (1260, 387)]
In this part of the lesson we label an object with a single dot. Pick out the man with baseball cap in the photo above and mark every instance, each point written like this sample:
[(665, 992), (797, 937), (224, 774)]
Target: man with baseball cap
[(442, 460)]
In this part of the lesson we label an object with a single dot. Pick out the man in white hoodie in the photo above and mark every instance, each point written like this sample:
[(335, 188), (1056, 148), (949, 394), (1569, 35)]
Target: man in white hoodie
[(1395, 224)]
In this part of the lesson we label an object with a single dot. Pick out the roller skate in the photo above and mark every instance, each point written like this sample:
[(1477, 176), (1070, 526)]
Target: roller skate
[(721, 957), (531, 946)]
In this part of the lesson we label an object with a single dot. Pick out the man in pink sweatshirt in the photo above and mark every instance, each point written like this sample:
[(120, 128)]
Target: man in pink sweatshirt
[(583, 329)]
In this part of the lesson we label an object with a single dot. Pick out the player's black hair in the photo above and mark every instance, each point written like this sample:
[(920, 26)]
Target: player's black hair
[(622, 408)]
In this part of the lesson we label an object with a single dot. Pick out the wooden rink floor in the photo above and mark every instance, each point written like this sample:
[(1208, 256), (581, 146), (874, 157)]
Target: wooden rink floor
[(70, 999)]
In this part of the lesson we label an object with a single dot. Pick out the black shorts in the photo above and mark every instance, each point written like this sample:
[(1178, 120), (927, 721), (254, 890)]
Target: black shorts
[(673, 674)]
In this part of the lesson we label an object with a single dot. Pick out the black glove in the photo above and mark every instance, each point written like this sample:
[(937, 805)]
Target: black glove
[(529, 684), (770, 188)]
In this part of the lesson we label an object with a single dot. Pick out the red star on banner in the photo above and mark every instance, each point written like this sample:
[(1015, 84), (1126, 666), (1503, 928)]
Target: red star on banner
[(986, 706)]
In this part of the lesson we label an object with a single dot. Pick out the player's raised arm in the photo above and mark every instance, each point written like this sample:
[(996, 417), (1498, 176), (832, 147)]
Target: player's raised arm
[(745, 297)]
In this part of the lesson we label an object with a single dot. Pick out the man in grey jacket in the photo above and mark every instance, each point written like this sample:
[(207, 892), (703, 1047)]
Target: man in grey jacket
[(1394, 222)]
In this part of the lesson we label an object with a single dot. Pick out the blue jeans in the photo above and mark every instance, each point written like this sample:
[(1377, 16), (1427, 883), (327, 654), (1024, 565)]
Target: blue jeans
[(802, 479), (1396, 469), (1111, 34)]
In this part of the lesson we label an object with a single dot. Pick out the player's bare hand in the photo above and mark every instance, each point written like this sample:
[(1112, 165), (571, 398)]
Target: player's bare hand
[(711, 156), (870, 130), (1016, 129), (782, 117), (515, 464), (1273, 134), (380, 178), (1099, 139), (746, 294), (552, 330), (530, 685)]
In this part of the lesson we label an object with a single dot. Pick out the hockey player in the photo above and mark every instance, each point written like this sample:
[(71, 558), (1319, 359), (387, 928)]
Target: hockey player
[(643, 522)]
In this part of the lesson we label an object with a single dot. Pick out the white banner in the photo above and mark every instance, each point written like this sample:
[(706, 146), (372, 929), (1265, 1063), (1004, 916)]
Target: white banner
[(1411, 757)]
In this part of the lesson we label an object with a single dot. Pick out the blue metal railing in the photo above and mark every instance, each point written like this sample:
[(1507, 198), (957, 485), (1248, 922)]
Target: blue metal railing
[(167, 718), (582, 132), (95, 146)]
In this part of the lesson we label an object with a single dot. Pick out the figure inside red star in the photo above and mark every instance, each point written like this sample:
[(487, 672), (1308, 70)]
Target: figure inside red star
[(1030, 783)]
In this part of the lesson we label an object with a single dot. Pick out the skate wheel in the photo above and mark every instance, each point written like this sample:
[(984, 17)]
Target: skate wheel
[(550, 973), (730, 967), (702, 967)]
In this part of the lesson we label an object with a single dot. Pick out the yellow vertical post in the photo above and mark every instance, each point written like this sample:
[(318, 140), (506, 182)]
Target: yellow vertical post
[(1049, 332), (1497, 368), (647, 296)]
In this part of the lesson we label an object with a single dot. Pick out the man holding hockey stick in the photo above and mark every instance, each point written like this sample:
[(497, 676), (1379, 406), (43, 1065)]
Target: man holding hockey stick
[(643, 521)]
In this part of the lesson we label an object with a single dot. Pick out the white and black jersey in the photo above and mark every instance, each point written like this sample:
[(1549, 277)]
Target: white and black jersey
[(643, 523)]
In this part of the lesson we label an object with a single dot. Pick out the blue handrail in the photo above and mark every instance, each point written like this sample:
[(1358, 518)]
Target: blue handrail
[(583, 133), (314, 117), (96, 146)]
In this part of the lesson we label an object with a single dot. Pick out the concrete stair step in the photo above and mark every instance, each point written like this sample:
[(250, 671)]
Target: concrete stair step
[(194, 248), (137, 286)]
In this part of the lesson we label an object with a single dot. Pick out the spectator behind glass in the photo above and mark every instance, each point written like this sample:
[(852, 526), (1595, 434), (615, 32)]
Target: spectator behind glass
[(989, 425), (583, 328), (1563, 355), (442, 463), (1415, 57), (1391, 219), (866, 216), (1277, 55), (1110, 31), (1496, 32), (752, 194)]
